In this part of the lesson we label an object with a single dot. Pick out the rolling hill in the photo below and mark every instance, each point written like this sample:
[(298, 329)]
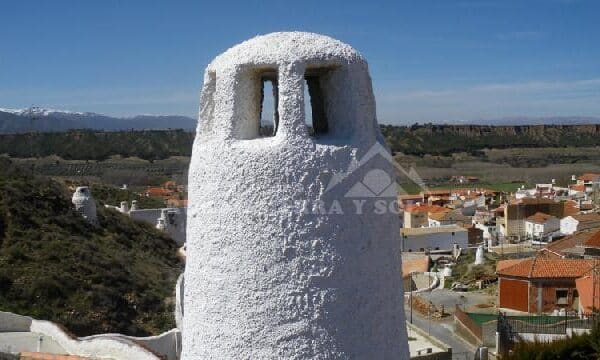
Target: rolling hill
[(118, 277)]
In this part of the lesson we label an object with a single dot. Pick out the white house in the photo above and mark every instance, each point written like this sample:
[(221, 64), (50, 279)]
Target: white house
[(170, 220), (490, 231), (476, 202), (571, 224), (525, 193), (433, 238), (588, 180), (540, 226)]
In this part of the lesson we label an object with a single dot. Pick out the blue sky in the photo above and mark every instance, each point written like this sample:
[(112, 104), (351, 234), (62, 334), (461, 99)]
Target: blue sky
[(439, 61)]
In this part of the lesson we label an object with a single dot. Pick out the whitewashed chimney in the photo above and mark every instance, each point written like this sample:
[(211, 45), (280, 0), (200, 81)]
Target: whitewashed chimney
[(268, 274), (85, 204)]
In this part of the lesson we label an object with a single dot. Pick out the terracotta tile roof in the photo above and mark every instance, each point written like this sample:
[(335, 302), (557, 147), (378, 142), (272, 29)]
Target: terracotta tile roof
[(425, 208), (415, 265), (593, 240), (448, 216), (585, 289), (569, 242), (158, 191), (503, 264), (539, 268), (587, 221), (589, 177), (539, 218), (577, 187), (410, 197), (570, 208), (530, 200)]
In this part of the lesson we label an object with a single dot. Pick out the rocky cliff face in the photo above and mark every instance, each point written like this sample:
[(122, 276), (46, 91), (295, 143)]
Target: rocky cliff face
[(417, 140), (516, 130), (444, 139)]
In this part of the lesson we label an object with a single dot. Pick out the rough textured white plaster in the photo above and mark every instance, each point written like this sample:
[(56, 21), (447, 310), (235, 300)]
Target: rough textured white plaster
[(107, 346), (179, 302), (263, 281), (167, 344)]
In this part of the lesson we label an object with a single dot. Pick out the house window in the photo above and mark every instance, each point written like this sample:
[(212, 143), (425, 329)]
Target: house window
[(269, 101), (562, 296), (315, 114)]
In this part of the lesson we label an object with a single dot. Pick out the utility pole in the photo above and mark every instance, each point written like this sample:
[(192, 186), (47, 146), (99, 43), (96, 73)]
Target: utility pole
[(411, 297), (596, 191), (595, 294), (429, 298)]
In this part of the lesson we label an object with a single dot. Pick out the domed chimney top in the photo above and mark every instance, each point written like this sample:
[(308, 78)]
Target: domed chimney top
[(287, 48), (336, 77)]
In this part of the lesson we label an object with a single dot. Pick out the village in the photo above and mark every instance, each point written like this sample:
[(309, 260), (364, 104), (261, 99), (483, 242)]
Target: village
[(477, 261)]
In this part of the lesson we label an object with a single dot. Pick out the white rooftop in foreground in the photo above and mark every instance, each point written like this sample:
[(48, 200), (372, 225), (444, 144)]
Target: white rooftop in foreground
[(419, 343), (15, 342), (432, 230)]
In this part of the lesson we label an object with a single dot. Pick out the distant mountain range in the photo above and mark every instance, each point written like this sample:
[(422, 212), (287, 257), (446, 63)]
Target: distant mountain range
[(46, 120)]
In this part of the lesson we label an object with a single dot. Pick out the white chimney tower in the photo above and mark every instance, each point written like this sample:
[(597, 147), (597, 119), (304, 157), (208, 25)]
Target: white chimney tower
[(282, 262), (85, 204)]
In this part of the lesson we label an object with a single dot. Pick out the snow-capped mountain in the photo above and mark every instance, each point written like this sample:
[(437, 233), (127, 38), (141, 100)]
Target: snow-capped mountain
[(49, 120)]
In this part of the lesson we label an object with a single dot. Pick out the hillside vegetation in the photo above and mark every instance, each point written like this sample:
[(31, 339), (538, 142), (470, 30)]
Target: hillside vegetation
[(412, 140), (98, 145), (118, 277), (448, 139)]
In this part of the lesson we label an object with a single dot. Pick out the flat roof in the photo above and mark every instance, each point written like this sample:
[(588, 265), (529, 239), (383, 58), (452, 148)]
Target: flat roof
[(432, 230)]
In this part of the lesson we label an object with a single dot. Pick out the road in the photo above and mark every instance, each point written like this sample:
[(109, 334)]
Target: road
[(444, 331)]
